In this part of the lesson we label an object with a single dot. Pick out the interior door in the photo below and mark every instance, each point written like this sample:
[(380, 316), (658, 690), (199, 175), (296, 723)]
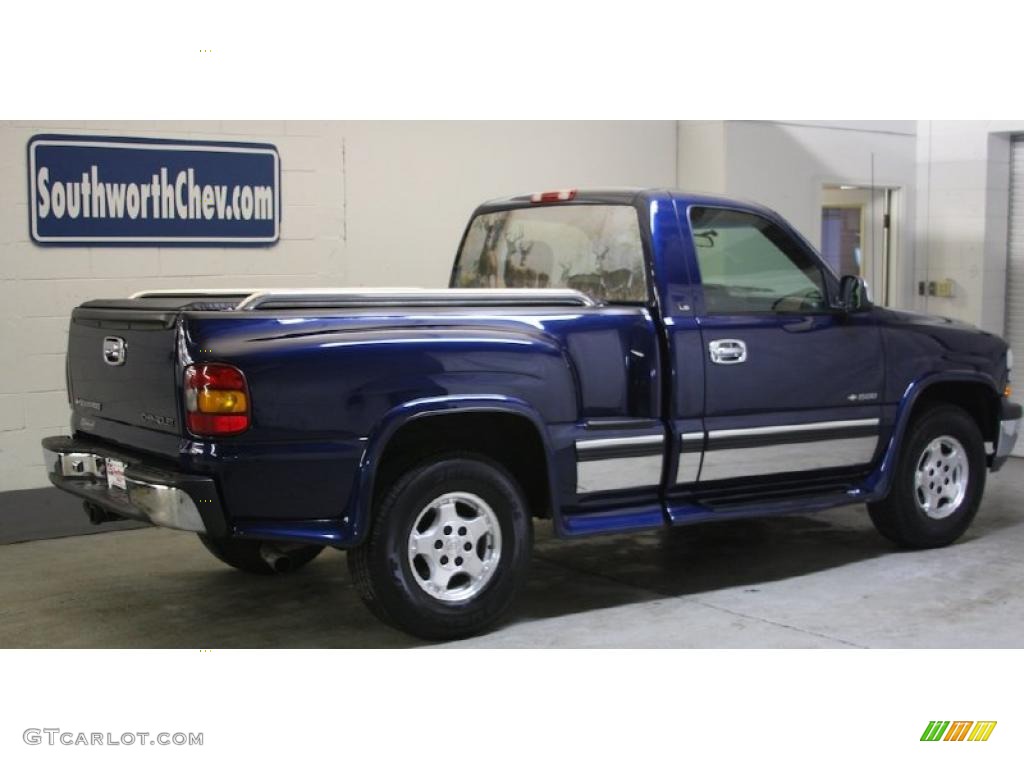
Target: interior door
[(791, 384), (856, 234)]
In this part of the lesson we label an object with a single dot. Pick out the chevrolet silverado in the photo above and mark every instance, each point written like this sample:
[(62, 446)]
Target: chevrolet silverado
[(611, 360)]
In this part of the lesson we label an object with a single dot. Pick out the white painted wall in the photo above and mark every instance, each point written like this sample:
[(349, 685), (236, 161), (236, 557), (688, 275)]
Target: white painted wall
[(784, 166), (701, 156), (412, 186), (963, 180), (364, 203)]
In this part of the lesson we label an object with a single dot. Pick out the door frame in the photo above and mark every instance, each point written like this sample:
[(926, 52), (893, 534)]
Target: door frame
[(897, 282)]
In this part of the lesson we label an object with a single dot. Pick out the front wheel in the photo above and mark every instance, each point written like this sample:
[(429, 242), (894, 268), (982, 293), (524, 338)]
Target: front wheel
[(448, 550), (939, 481)]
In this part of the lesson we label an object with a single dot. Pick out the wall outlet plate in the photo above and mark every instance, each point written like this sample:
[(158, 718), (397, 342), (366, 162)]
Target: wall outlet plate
[(945, 288)]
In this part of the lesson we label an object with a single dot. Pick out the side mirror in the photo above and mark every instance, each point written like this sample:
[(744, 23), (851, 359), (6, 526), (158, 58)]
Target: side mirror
[(853, 293)]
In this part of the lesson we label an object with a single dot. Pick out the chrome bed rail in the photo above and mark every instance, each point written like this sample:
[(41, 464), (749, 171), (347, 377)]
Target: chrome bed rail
[(305, 298)]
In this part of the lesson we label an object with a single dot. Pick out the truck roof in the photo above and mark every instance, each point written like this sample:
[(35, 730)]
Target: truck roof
[(627, 196)]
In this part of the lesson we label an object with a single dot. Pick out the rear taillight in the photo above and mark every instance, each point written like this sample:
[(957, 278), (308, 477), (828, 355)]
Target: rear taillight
[(216, 400)]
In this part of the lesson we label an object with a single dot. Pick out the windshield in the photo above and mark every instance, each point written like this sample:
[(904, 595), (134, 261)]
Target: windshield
[(595, 249)]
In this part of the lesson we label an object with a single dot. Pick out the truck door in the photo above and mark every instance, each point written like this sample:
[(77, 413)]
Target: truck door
[(792, 385)]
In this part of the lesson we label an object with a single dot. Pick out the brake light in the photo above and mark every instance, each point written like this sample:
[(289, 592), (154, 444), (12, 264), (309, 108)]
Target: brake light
[(554, 196), (216, 400)]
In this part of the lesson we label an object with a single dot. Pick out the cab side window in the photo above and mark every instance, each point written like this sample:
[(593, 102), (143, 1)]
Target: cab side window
[(750, 265)]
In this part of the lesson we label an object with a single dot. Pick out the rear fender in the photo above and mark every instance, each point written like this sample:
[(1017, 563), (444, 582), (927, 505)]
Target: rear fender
[(377, 443)]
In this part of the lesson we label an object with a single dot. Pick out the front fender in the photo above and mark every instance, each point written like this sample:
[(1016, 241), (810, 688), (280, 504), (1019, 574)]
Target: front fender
[(880, 480)]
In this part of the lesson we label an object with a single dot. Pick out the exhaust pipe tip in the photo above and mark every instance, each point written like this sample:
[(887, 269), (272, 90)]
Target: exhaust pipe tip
[(278, 561), (98, 515)]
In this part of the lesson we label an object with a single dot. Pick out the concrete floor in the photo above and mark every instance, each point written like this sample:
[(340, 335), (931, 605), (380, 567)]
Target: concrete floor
[(822, 581)]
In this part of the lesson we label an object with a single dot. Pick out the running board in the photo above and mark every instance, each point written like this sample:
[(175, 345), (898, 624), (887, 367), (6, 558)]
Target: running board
[(690, 511), (792, 485), (686, 513), (620, 520)]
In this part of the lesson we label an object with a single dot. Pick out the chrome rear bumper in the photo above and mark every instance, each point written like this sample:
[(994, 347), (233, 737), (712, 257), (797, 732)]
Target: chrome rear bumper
[(159, 496)]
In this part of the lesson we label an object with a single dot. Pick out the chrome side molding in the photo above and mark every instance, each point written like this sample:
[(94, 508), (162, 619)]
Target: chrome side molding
[(619, 463), (756, 451), (783, 429), (691, 448)]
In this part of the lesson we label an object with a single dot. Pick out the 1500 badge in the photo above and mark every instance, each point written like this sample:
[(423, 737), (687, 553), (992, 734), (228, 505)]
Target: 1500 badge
[(153, 418), (860, 397)]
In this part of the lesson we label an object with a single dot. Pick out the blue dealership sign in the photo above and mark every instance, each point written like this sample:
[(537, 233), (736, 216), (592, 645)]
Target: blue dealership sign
[(91, 190)]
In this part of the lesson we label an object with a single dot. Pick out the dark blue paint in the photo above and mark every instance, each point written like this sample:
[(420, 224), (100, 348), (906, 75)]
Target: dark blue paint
[(616, 520), (330, 388)]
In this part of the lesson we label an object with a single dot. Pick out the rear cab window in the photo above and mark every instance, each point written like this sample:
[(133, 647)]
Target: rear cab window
[(595, 249)]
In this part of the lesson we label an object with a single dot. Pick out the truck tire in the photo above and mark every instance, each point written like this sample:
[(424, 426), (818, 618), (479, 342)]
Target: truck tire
[(448, 550), (939, 481), (262, 557)]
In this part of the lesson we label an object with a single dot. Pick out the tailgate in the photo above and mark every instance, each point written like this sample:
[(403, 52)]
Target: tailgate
[(122, 366)]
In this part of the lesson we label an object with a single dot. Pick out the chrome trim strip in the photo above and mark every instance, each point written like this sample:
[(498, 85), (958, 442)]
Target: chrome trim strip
[(688, 467), (619, 463), (1007, 440), (619, 442), (599, 424), (787, 428), (190, 293), (256, 297), (787, 457), (412, 295), (618, 474)]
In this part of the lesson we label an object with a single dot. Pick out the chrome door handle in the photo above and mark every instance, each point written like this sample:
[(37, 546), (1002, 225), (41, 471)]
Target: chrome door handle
[(728, 351)]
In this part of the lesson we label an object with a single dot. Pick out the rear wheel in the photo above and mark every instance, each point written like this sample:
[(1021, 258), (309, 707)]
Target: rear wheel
[(448, 550), (939, 481), (262, 557)]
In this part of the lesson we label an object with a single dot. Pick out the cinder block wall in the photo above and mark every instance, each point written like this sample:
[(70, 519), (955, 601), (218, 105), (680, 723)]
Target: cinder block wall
[(40, 285), (363, 203)]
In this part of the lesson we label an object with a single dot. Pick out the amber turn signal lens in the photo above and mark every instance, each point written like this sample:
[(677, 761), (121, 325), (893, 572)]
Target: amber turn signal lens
[(222, 401), (1007, 391)]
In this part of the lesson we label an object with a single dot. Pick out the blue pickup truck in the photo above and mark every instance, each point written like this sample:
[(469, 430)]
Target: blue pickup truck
[(612, 360)]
